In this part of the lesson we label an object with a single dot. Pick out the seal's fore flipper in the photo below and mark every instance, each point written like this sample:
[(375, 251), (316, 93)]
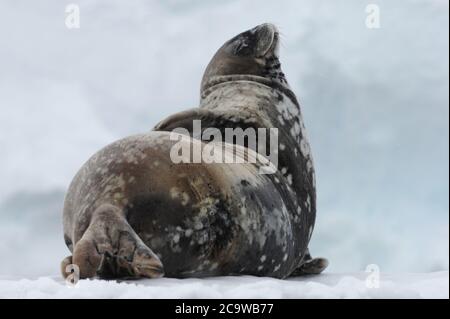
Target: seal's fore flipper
[(185, 120), (110, 248), (310, 266), (180, 120), (208, 120)]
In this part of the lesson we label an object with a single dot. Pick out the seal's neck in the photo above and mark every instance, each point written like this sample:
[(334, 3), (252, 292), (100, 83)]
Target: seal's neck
[(216, 82), (254, 100)]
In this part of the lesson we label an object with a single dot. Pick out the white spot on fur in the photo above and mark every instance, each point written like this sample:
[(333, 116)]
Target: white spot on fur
[(289, 179), (304, 148), (214, 266), (198, 225), (309, 166), (174, 192), (184, 199), (296, 128)]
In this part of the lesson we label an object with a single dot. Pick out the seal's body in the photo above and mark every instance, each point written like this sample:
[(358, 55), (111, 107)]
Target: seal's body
[(200, 219), (131, 209)]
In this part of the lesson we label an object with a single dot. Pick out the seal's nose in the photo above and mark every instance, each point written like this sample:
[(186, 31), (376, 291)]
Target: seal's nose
[(265, 27), (265, 34)]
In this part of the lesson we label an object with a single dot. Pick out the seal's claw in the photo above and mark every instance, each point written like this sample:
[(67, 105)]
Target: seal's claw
[(64, 263), (147, 264)]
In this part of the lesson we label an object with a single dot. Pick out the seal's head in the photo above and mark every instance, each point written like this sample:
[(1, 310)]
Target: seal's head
[(253, 53)]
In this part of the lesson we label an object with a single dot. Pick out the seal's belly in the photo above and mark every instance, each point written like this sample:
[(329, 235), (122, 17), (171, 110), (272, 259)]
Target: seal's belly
[(215, 237), (216, 220)]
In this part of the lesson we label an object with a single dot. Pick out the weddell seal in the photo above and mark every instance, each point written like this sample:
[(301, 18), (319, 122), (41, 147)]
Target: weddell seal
[(134, 211)]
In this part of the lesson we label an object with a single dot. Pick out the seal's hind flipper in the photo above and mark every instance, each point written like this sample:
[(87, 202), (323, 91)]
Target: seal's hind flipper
[(313, 266), (110, 248), (310, 266)]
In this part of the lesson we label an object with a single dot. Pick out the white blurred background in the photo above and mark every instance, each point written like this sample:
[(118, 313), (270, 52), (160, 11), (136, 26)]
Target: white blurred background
[(375, 103)]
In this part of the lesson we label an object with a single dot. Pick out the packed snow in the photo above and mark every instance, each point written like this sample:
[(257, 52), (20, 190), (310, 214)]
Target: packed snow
[(375, 105), (358, 285)]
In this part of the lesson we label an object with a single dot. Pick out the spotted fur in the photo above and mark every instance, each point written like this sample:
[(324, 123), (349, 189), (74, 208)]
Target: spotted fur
[(131, 212)]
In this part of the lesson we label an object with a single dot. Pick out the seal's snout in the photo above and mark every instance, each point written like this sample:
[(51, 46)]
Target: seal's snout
[(265, 27), (258, 42), (267, 36)]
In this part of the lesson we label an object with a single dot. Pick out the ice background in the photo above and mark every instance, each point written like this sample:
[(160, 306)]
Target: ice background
[(375, 103)]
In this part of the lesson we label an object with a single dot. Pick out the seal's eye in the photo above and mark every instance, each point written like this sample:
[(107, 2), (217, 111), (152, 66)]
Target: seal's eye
[(242, 45), (242, 48)]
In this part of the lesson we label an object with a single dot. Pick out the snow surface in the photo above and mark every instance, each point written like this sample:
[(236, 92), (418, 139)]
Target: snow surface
[(426, 285), (375, 104)]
